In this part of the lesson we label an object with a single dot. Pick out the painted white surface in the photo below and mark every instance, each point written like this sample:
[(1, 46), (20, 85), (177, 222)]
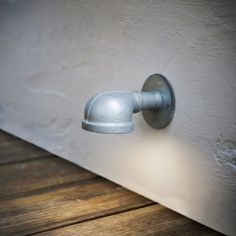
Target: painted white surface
[(55, 54)]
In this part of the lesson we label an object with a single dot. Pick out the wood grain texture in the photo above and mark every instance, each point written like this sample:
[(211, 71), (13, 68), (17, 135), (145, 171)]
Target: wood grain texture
[(18, 150), (6, 136), (58, 197), (151, 220), (19, 178), (54, 55), (73, 204)]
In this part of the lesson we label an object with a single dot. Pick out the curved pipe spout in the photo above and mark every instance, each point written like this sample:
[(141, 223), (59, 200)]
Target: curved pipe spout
[(111, 112)]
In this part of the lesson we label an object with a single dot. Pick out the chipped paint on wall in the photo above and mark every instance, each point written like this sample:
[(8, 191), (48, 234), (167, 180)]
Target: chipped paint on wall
[(225, 154)]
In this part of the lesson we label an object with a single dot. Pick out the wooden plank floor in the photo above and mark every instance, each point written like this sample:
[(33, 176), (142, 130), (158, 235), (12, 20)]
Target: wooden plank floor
[(43, 194)]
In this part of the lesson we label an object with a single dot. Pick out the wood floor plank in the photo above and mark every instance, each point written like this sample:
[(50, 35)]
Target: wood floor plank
[(151, 220), (43, 193), (32, 175), (4, 135), (15, 150), (85, 201)]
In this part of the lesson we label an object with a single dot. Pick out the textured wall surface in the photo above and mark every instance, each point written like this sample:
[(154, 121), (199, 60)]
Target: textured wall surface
[(55, 54)]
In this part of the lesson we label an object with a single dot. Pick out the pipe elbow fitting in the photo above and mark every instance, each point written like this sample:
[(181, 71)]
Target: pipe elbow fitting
[(110, 112)]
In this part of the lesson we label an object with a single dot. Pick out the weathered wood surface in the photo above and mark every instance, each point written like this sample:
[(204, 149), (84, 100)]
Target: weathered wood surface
[(151, 220), (19, 151), (51, 196), (5, 136), (34, 175)]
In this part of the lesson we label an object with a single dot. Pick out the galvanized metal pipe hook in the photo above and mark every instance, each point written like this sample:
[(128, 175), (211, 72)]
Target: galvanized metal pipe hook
[(111, 112)]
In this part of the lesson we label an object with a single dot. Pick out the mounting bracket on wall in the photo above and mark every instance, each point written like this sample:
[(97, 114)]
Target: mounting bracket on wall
[(111, 112), (161, 117)]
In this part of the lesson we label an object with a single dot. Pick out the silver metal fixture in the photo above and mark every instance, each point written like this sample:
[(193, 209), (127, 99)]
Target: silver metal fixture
[(111, 112)]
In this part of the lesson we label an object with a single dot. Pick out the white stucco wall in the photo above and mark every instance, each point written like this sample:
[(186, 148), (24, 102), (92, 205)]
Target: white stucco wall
[(55, 54)]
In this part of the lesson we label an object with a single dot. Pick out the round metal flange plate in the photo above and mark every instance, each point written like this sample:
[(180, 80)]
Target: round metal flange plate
[(163, 116)]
